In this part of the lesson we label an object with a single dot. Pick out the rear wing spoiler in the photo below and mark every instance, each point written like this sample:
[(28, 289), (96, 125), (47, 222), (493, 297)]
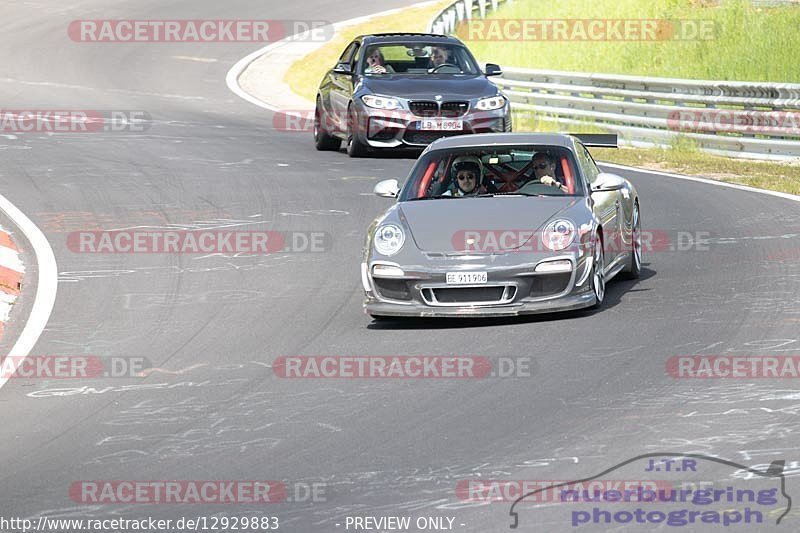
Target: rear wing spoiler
[(597, 140)]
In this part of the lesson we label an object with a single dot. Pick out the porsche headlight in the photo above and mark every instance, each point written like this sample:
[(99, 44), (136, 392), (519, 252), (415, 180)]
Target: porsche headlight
[(381, 102), (558, 234), (389, 238), (490, 104)]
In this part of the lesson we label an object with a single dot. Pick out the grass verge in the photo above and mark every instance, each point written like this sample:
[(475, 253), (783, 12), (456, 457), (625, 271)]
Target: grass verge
[(702, 39), (682, 157)]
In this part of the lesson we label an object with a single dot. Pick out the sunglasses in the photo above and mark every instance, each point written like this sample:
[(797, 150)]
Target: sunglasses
[(466, 177), (541, 166)]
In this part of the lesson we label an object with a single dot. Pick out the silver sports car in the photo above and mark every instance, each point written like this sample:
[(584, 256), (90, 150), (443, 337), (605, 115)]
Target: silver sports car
[(501, 224)]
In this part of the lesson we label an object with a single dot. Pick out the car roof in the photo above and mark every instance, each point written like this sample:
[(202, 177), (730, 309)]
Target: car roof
[(478, 140), (408, 38)]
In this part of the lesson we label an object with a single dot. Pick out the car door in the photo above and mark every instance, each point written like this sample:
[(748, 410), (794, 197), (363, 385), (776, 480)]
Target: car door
[(341, 86), (606, 205)]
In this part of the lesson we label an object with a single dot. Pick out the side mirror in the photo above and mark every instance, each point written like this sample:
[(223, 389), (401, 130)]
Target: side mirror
[(608, 182), (387, 188), (493, 70), (342, 68)]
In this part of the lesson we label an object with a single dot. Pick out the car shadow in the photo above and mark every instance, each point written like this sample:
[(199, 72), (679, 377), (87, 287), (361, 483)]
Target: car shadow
[(615, 290), (405, 153)]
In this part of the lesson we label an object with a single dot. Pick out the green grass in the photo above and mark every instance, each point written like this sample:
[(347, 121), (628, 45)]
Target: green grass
[(681, 157), (749, 44), (304, 76)]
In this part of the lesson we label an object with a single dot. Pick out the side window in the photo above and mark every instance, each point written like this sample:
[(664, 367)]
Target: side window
[(356, 56), (348, 53), (590, 170)]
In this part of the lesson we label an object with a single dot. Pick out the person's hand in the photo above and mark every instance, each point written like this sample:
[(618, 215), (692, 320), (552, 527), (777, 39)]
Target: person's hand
[(547, 180), (378, 69)]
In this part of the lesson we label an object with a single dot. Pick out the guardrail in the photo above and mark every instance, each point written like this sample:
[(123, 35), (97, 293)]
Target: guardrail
[(738, 119)]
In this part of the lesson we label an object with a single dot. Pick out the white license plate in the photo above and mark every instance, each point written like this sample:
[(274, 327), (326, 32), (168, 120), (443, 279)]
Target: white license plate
[(441, 125), (466, 278)]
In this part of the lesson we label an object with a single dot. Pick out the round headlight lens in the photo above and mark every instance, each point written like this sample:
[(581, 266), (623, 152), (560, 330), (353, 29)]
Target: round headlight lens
[(558, 235), (389, 238)]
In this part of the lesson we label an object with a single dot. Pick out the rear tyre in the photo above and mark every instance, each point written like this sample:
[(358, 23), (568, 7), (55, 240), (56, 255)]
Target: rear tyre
[(634, 268), (598, 273), (355, 148), (322, 140)]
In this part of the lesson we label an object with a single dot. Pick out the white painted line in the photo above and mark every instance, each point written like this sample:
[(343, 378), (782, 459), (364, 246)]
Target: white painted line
[(784, 195), (46, 286)]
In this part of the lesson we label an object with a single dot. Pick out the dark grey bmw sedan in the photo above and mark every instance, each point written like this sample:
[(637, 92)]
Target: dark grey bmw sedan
[(406, 90)]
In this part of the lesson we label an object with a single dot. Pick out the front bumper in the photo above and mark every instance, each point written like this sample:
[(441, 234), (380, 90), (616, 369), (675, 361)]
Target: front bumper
[(511, 290), (392, 129)]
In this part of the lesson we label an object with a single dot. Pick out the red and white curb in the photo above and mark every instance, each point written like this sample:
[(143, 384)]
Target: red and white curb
[(11, 272), (46, 284)]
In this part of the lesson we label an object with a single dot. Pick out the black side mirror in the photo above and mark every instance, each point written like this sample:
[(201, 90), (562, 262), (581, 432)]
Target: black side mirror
[(493, 70), (342, 68)]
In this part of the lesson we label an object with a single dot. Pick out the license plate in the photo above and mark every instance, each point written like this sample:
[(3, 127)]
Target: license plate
[(466, 278), (441, 125)]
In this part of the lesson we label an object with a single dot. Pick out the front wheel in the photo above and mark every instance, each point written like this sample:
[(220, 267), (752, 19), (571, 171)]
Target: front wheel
[(634, 268), (355, 148), (598, 273), (322, 140)]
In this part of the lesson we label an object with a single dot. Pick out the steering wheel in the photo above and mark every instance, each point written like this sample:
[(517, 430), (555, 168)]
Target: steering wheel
[(437, 67)]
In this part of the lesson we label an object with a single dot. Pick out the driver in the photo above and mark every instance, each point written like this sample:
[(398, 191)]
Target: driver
[(439, 56), (544, 170), (468, 177)]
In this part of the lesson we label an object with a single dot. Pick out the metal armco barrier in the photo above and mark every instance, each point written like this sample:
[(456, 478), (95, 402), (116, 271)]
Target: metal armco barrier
[(740, 119)]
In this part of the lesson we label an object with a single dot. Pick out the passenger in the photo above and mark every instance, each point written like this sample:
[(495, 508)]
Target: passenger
[(468, 177), (376, 64), (544, 170)]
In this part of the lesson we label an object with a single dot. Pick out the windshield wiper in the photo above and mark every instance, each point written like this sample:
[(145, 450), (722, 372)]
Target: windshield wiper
[(517, 194)]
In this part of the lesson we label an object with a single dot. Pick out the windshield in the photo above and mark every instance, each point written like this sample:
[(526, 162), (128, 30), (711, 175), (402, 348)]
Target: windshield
[(418, 59), (491, 171)]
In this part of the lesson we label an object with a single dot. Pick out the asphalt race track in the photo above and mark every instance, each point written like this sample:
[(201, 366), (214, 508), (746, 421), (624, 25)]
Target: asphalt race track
[(598, 393)]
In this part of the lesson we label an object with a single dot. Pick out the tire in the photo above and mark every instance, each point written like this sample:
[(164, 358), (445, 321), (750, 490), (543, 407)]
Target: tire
[(322, 140), (634, 268), (598, 274), (355, 148)]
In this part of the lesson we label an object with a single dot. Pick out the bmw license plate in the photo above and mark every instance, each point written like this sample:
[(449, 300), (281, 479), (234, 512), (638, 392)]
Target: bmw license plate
[(466, 278), (436, 124)]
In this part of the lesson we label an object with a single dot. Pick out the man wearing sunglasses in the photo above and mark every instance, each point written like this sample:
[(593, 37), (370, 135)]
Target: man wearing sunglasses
[(544, 170)]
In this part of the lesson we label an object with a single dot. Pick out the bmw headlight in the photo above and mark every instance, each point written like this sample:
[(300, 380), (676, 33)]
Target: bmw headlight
[(490, 104), (381, 102), (558, 234), (389, 238)]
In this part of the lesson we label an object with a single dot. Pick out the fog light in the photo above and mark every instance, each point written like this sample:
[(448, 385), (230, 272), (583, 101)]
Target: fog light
[(562, 265), (387, 271)]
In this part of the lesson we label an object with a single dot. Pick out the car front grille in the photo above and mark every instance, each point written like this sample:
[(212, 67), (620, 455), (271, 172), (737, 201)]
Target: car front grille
[(429, 109), (392, 289), (454, 109), (424, 109), (454, 296), (427, 137), (549, 284)]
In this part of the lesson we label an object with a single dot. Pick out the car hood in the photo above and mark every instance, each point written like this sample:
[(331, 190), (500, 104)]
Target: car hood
[(448, 86), (440, 225)]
